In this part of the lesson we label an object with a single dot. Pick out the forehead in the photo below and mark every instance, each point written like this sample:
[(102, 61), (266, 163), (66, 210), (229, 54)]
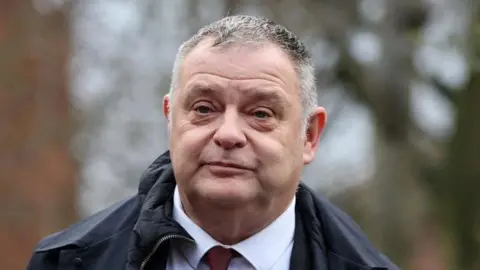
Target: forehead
[(240, 66)]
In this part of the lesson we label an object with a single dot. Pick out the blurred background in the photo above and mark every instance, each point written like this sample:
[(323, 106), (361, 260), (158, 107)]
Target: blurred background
[(81, 87)]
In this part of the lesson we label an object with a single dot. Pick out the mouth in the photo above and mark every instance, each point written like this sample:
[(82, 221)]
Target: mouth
[(228, 165)]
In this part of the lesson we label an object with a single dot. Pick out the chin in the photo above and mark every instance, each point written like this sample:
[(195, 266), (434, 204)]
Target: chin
[(226, 195)]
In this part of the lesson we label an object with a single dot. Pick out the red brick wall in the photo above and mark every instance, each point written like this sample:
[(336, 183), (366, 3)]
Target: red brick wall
[(37, 170)]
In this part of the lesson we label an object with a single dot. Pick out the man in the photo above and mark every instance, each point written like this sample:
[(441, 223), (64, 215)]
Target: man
[(243, 121)]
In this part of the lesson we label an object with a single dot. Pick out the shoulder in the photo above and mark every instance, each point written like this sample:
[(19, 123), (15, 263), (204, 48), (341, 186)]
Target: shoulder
[(94, 233), (103, 235), (119, 216), (341, 233)]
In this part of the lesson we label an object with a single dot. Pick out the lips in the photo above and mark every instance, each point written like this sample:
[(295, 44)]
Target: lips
[(226, 165)]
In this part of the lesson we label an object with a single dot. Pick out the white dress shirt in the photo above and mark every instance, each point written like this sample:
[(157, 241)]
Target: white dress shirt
[(270, 248)]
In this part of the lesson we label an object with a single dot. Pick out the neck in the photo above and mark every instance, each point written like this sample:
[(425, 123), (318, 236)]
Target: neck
[(233, 224)]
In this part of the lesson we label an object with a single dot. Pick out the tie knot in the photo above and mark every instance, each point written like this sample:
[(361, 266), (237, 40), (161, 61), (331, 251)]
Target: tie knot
[(219, 257)]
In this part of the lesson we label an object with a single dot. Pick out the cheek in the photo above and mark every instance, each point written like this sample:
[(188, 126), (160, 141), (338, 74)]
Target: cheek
[(281, 157), (185, 137), (186, 145), (279, 147)]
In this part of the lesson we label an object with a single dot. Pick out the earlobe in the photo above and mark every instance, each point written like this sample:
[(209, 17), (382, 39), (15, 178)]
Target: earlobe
[(166, 106), (316, 126)]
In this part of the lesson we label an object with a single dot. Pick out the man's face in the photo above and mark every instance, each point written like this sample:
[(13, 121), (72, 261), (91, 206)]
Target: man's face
[(236, 133)]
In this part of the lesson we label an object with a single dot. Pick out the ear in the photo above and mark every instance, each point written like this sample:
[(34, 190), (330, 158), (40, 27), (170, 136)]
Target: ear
[(166, 106), (316, 125)]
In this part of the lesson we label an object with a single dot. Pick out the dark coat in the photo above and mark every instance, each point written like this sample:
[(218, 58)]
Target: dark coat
[(135, 233)]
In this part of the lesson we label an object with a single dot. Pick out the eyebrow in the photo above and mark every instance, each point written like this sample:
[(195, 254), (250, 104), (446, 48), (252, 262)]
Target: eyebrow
[(200, 90), (270, 96), (252, 94)]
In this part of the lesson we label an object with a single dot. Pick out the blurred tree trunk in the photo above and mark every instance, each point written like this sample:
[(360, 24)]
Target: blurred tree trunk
[(37, 170), (457, 185), (460, 201)]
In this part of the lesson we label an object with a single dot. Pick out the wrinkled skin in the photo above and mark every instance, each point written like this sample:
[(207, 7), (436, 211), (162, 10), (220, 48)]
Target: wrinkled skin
[(237, 144)]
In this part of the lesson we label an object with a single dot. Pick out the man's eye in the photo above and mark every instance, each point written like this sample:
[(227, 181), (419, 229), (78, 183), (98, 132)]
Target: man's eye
[(202, 109), (261, 114)]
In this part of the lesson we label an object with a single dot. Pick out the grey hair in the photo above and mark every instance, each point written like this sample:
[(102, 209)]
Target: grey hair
[(241, 29)]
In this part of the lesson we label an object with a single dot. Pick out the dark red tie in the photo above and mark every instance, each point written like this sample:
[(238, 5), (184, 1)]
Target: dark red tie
[(219, 257)]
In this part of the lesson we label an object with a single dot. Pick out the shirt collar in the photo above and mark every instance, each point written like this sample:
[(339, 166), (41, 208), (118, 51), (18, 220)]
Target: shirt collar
[(275, 238)]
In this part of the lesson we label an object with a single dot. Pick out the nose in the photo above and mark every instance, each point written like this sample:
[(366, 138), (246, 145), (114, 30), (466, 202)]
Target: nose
[(229, 134)]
